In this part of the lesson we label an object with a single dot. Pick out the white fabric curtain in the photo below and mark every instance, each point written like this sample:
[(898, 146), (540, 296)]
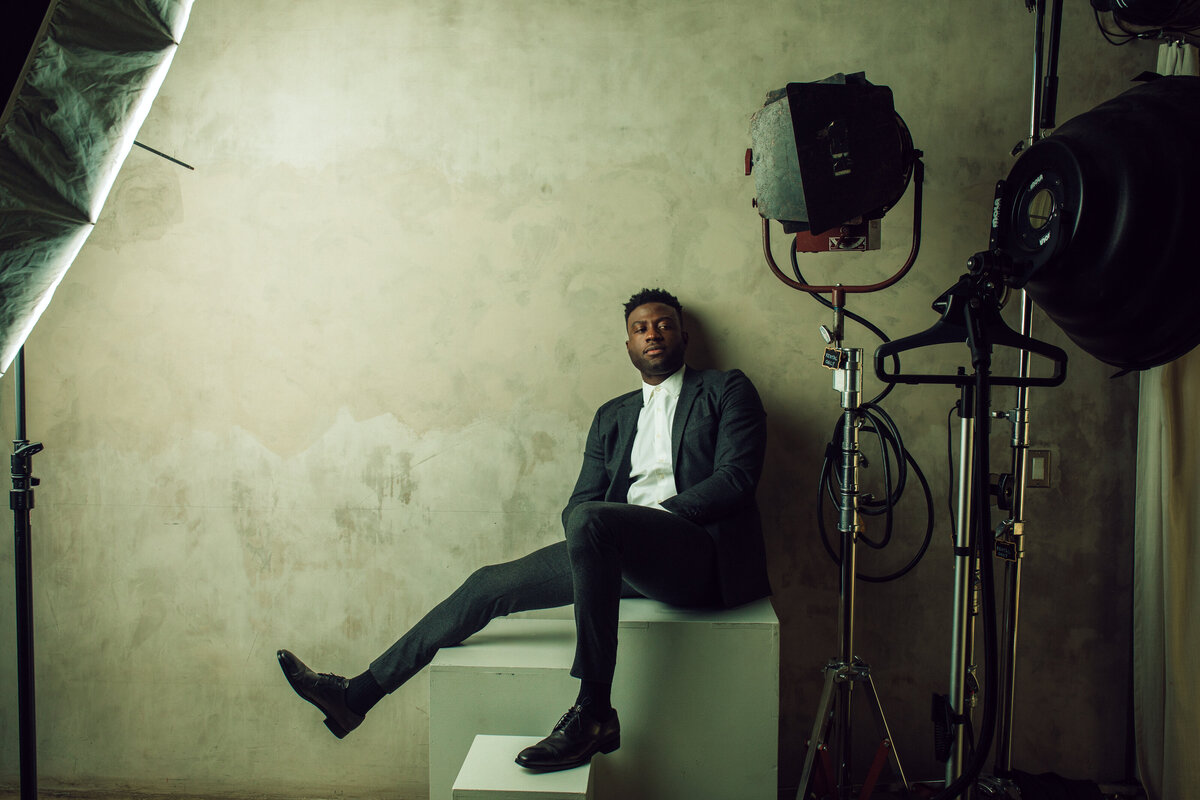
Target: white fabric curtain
[(1177, 58), (1166, 583), (1166, 587)]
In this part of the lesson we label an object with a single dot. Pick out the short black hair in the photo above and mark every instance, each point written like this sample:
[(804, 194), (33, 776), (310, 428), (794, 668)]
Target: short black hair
[(653, 296)]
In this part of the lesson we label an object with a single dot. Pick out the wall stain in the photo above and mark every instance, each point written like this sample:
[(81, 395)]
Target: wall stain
[(250, 520), (389, 475)]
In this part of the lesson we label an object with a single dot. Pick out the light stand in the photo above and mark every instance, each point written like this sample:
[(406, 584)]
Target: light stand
[(841, 673), (832, 723), (21, 502), (966, 572), (971, 314), (1010, 543)]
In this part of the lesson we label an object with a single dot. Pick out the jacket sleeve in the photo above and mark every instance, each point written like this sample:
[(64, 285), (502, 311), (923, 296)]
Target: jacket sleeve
[(593, 480), (737, 453)]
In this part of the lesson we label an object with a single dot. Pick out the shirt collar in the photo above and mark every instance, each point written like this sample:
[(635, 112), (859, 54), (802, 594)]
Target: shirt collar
[(672, 386)]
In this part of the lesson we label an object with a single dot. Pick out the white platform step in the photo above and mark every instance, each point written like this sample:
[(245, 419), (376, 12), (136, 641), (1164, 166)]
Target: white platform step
[(697, 693), (489, 773)]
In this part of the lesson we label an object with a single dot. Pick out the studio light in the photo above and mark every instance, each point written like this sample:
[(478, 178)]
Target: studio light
[(1098, 222), (829, 159), (828, 153), (1168, 14)]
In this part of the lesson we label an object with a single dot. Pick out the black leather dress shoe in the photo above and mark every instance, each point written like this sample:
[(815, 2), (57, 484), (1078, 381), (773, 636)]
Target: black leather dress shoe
[(325, 691), (576, 738)]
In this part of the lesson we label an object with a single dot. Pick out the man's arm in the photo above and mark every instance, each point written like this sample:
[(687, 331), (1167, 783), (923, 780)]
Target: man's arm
[(593, 480), (737, 456)]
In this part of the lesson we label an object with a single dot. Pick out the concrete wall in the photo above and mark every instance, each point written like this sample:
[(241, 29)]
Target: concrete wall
[(293, 397)]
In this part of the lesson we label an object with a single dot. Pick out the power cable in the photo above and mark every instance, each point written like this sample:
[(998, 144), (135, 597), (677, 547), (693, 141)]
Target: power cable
[(892, 452)]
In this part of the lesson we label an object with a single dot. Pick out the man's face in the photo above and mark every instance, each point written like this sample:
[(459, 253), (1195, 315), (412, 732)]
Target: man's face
[(656, 341)]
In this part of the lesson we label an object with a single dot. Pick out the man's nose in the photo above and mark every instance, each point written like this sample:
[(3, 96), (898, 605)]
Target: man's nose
[(654, 333)]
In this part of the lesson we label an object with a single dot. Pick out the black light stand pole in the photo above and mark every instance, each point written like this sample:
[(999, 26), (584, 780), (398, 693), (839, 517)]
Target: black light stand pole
[(21, 502)]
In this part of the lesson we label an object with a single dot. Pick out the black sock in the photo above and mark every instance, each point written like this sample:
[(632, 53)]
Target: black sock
[(596, 697), (363, 693)]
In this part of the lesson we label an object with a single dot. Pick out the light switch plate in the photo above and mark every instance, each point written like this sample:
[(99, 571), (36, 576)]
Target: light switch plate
[(1038, 476)]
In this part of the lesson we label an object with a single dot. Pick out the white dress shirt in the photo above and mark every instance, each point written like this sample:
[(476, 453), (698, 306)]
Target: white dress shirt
[(652, 473)]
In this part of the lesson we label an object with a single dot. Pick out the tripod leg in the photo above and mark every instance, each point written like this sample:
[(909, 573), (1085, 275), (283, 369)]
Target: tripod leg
[(868, 786), (881, 722), (819, 731)]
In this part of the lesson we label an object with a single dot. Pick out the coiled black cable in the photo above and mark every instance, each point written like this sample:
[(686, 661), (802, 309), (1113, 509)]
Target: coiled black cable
[(890, 444), (884, 428)]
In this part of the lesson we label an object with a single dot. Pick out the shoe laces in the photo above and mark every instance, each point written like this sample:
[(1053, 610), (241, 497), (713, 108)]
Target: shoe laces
[(328, 677), (573, 714)]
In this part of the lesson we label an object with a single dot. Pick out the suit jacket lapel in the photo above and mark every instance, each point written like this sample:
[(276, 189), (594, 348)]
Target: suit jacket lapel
[(627, 422), (692, 383)]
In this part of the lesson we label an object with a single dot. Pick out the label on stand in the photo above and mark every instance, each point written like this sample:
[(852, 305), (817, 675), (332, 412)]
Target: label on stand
[(1006, 549)]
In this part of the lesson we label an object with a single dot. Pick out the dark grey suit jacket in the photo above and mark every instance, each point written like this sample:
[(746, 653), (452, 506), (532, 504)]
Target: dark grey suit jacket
[(718, 440)]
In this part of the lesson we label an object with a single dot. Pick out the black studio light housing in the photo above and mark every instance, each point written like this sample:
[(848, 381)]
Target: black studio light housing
[(828, 152), (1167, 14), (1098, 225)]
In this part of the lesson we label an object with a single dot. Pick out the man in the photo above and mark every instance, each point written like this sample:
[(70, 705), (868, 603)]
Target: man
[(663, 508)]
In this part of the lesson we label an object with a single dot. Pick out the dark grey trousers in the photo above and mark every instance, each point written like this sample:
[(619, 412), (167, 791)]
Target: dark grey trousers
[(612, 550)]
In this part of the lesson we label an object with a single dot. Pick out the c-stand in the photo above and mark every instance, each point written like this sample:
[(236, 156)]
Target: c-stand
[(833, 722), (970, 313)]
